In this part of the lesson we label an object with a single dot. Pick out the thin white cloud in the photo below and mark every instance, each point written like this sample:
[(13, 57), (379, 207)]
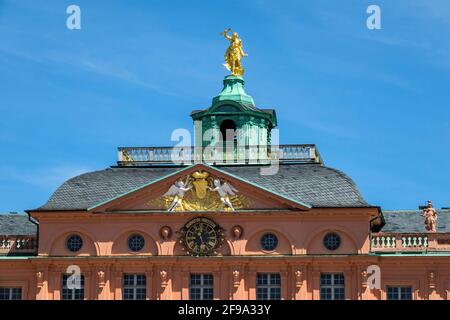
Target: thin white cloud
[(48, 178)]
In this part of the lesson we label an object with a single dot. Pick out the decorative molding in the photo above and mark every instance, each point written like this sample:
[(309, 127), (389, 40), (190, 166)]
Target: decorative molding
[(164, 278), (101, 279), (364, 277), (39, 279), (298, 278), (432, 280), (165, 232), (236, 278), (237, 232)]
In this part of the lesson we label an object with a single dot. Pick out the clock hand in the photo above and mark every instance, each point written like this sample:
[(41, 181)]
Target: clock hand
[(205, 236)]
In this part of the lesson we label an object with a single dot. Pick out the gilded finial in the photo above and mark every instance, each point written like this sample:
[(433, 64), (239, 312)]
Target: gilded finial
[(234, 53)]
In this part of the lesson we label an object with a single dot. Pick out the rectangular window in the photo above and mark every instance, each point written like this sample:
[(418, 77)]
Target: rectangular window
[(201, 286), (399, 293), (69, 290), (134, 287), (268, 286), (332, 286), (10, 293)]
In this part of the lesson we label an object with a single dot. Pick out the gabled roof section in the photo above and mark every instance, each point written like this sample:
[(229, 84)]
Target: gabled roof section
[(170, 179), (89, 189), (313, 184)]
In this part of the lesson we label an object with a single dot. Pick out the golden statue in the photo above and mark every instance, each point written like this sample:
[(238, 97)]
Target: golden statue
[(200, 191), (200, 183), (234, 53)]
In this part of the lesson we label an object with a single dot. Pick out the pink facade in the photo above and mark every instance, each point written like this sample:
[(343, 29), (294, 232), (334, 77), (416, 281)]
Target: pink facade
[(300, 257)]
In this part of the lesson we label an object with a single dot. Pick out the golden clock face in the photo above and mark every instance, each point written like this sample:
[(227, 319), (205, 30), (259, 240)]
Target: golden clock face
[(201, 236)]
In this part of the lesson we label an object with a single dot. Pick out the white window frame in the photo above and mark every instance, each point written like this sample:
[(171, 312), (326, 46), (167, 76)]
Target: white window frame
[(10, 292), (332, 286), (399, 288), (270, 287), (202, 286), (135, 286), (72, 291)]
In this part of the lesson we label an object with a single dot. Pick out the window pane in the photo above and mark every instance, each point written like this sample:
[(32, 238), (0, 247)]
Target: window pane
[(195, 279), (399, 293), (262, 279), (339, 294), (208, 294), (68, 291), (141, 280), (325, 294), (134, 287), (275, 294), (4, 294), (275, 278), (128, 280), (261, 293), (268, 286), (127, 294), (208, 279), (332, 286), (10, 293), (406, 293), (195, 294), (339, 279), (325, 279), (201, 286)]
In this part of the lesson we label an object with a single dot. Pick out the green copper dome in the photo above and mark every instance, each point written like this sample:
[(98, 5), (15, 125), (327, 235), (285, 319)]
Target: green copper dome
[(233, 126), (233, 90)]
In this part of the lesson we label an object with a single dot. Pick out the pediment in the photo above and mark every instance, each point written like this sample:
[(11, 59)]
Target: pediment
[(199, 188)]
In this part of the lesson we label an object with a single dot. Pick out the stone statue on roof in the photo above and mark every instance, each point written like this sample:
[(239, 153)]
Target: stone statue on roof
[(430, 215)]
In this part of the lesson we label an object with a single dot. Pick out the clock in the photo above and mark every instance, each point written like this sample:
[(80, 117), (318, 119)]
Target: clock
[(201, 237)]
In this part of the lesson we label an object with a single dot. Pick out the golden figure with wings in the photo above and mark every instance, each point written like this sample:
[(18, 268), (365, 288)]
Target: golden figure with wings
[(234, 53)]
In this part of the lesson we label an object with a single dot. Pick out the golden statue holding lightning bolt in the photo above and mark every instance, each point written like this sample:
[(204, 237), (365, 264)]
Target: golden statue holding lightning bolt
[(234, 53)]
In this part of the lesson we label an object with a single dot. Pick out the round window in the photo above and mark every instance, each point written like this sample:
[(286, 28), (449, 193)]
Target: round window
[(74, 243), (269, 242), (136, 242), (332, 241)]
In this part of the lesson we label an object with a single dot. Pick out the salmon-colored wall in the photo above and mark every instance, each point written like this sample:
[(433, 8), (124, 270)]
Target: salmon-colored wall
[(300, 249), (106, 235), (410, 271)]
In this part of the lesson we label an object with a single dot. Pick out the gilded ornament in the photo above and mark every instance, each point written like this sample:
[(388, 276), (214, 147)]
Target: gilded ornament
[(234, 53), (200, 192)]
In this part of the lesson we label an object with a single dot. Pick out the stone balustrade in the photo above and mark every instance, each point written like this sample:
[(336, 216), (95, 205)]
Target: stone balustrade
[(406, 242), (129, 156), (17, 245)]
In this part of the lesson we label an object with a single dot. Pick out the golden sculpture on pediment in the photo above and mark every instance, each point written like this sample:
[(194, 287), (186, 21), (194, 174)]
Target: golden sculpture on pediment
[(200, 183), (201, 192)]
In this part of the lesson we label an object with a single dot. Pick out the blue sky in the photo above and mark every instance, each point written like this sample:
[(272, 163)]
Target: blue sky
[(376, 102)]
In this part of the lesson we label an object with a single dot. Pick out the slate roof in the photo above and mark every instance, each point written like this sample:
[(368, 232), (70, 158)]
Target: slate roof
[(313, 184), (406, 221), (16, 224)]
